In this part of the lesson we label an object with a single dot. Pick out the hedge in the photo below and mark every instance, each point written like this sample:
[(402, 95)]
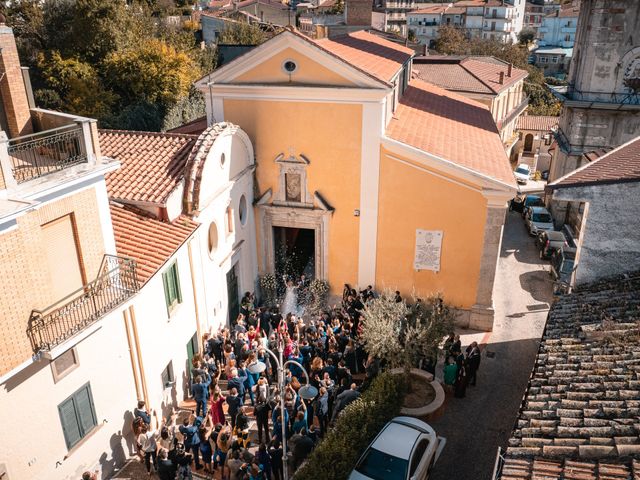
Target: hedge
[(355, 428)]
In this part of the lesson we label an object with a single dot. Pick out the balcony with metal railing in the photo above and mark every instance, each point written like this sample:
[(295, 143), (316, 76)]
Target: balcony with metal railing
[(115, 284), (60, 142)]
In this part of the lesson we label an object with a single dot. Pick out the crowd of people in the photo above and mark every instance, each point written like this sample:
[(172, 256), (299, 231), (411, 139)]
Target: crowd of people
[(460, 369), (215, 436)]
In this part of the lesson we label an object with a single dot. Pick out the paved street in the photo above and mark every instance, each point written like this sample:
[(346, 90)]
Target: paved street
[(476, 425)]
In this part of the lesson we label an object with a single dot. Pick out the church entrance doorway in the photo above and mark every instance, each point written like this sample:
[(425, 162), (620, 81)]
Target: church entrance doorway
[(294, 252)]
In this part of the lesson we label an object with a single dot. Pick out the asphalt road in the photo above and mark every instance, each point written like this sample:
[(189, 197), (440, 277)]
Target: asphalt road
[(475, 426)]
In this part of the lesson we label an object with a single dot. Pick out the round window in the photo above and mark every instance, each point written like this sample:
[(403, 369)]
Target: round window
[(289, 66), (213, 238), (242, 210), (222, 160)]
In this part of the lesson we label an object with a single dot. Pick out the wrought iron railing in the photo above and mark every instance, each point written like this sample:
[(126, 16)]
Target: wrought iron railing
[(115, 283), (619, 98), (41, 153)]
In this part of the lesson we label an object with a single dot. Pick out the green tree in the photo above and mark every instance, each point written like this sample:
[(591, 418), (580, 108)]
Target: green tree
[(240, 33), (151, 70), (78, 87), (400, 333), (185, 110), (451, 41), (526, 36)]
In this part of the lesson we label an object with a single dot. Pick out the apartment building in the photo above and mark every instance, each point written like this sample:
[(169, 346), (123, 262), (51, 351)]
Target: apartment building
[(559, 28), (499, 20)]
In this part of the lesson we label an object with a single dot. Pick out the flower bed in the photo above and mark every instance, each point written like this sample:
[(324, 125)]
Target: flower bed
[(356, 427)]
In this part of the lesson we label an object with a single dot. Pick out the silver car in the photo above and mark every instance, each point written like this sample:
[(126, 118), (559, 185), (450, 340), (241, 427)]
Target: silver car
[(538, 219), (405, 449)]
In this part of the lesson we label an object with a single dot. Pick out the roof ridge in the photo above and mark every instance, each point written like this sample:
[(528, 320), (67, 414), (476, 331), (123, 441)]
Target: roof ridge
[(476, 76), (146, 133)]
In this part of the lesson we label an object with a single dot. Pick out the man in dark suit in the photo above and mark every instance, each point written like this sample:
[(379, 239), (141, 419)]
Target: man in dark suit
[(473, 362), (344, 399)]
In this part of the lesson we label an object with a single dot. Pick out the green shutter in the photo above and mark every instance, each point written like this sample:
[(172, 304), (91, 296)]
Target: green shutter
[(85, 409), (165, 283), (69, 420), (178, 292)]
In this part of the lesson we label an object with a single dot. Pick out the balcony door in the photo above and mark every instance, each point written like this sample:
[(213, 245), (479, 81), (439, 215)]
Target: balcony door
[(62, 257)]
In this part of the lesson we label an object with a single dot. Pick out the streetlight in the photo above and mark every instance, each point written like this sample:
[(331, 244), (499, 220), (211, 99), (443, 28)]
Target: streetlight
[(306, 392)]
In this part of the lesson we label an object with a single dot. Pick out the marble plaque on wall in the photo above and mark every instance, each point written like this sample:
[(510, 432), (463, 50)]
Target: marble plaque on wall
[(428, 250)]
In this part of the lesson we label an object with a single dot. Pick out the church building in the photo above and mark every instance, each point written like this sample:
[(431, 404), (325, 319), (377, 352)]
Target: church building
[(370, 176)]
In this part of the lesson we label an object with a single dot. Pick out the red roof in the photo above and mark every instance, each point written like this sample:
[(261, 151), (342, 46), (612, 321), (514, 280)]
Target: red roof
[(194, 127), (152, 163), (542, 123), (467, 74), (450, 126), (431, 9), (368, 52), (148, 240), (621, 164)]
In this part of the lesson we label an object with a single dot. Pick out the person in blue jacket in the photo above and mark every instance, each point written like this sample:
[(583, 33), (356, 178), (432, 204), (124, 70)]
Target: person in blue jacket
[(200, 392)]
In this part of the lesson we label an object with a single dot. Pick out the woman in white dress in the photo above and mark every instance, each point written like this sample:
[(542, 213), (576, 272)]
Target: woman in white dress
[(290, 304)]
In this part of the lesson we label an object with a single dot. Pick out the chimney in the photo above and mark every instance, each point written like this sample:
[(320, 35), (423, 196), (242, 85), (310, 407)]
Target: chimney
[(501, 81), (15, 102), (510, 70)]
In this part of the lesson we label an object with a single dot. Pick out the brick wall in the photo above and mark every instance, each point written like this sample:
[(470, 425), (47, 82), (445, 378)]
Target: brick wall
[(358, 12), (12, 89), (24, 276)]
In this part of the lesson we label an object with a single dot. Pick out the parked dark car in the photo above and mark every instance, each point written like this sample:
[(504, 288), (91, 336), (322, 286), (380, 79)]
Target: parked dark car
[(548, 241), (522, 202), (563, 264)]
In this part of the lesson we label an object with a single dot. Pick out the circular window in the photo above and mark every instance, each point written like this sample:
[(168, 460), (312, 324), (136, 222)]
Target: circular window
[(213, 238), (289, 66), (242, 210), (222, 160)]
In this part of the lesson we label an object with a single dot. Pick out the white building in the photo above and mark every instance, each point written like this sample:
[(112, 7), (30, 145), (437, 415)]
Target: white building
[(503, 20), (558, 29)]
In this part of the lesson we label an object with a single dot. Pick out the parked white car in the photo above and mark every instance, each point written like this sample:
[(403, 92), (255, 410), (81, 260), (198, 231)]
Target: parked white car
[(522, 173), (405, 449), (538, 219)]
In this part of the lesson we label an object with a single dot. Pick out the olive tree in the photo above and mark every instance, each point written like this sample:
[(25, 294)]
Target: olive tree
[(400, 333)]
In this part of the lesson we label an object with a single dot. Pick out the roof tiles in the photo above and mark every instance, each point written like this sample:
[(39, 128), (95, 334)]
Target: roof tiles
[(450, 126), (541, 123), (152, 163), (579, 416), (149, 241), (467, 74), (621, 164), (368, 52)]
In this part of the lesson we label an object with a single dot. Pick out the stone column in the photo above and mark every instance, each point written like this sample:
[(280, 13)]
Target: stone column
[(482, 311)]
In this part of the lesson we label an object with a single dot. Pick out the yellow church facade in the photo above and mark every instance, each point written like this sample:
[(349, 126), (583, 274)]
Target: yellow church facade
[(374, 177)]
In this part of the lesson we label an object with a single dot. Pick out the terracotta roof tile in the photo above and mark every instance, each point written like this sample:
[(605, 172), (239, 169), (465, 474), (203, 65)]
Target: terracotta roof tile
[(152, 163), (431, 9), (578, 419), (467, 74), (621, 164), (450, 126), (194, 127), (542, 123), (149, 241), (368, 52)]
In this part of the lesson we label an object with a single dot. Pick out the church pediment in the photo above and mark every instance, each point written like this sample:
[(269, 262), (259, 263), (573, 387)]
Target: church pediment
[(289, 59)]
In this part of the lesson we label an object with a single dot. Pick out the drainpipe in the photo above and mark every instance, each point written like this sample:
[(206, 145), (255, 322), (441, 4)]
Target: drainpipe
[(195, 294), (140, 363), (132, 355)]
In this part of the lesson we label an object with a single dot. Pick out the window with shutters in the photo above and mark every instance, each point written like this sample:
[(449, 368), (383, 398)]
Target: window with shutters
[(171, 281), (77, 416)]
